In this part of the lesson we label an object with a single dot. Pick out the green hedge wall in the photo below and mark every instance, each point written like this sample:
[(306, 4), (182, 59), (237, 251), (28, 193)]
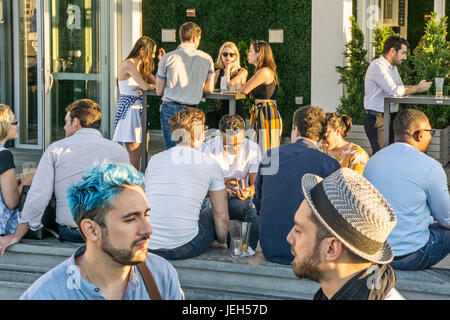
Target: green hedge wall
[(237, 20)]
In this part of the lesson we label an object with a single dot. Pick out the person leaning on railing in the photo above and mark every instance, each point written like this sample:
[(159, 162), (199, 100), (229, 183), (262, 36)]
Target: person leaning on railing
[(10, 187)]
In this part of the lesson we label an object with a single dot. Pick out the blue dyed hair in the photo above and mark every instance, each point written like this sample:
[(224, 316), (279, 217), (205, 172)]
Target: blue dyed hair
[(91, 198)]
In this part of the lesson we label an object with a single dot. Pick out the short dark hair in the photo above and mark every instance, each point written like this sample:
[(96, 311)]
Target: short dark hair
[(394, 42), (407, 121), (188, 30), (310, 122), (323, 233), (339, 121), (231, 122), (87, 111)]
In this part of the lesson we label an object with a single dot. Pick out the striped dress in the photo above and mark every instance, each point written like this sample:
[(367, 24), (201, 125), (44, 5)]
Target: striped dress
[(267, 124)]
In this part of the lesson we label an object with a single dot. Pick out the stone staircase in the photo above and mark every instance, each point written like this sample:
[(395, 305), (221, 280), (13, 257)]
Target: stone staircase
[(211, 276)]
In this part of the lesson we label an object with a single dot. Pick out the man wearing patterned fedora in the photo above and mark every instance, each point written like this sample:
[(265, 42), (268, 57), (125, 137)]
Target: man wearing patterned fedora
[(339, 238)]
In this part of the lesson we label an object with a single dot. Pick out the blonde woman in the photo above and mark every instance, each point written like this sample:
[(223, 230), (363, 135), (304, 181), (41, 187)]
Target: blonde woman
[(134, 74), (227, 64), (10, 188), (263, 87), (348, 154)]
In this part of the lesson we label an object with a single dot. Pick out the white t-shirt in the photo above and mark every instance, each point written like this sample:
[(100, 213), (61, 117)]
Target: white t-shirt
[(234, 166), (176, 183)]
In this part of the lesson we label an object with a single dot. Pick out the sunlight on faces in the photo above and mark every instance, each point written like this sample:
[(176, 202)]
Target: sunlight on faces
[(70, 125), (332, 138), (399, 56), (302, 239), (13, 129), (228, 59), (233, 141), (252, 56), (127, 233)]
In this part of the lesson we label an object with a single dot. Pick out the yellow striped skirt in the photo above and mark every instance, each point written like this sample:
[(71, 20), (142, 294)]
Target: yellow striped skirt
[(267, 124)]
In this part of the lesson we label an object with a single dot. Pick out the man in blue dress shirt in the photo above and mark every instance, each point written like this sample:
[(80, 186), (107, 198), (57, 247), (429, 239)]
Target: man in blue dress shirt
[(277, 190), (415, 185), (111, 210)]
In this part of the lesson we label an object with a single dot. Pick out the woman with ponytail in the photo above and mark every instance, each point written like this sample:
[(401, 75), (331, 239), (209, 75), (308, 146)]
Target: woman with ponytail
[(348, 154)]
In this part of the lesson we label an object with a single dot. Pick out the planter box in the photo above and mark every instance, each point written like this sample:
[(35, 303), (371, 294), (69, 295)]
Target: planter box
[(439, 148)]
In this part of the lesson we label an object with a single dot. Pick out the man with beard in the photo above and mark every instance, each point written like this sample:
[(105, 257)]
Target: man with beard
[(339, 238), (383, 80), (111, 211)]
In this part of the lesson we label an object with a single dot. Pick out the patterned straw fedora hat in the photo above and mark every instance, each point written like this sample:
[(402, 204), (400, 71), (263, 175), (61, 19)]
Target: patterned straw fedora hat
[(353, 210)]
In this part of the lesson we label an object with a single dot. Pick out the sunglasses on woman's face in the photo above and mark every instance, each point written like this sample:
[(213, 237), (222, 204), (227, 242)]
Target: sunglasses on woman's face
[(14, 123), (226, 54)]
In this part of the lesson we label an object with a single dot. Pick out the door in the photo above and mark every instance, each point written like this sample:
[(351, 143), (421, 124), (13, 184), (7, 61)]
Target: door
[(75, 60), (26, 71)]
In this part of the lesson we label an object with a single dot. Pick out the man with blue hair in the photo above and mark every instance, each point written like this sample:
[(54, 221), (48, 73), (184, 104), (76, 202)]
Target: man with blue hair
[(111, 211)]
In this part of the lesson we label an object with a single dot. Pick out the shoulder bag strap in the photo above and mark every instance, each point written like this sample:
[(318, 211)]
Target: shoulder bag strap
[(149, 281)]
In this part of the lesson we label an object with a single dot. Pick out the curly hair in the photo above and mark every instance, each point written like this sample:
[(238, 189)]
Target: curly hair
[(339, 121), (310, 122), (183, 123), (231, 122), (92, 197)]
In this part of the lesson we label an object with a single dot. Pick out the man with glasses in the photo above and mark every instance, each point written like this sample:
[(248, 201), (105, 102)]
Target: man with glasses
[(239, 159), (177, 181), (415, 185)]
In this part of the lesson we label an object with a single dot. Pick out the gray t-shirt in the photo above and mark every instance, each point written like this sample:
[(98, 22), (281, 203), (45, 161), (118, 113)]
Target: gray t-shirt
[(185, 71)]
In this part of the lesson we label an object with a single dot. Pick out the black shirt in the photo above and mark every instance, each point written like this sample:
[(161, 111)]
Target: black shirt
[(6, 161)]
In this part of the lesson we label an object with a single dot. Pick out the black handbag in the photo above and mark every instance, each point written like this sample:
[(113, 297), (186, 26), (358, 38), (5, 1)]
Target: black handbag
[(48, 219)]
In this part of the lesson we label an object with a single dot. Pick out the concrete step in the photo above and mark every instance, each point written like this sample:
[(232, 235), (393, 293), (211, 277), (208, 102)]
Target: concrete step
[(211, 276)]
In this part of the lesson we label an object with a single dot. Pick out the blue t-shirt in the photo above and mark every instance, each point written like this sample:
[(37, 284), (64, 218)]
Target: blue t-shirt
[(278, 192), (415, 185), (64, 282)]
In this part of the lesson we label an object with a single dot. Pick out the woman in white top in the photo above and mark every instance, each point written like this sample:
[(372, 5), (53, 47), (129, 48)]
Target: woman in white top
[(135, 74)]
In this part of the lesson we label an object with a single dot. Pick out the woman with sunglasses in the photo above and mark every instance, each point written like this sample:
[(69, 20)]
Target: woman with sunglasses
[(263, 87), (348, 154), (10, 187), (228, 65), (134, 74)]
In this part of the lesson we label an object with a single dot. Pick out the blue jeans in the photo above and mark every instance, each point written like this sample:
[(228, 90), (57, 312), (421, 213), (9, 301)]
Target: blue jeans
[(206, 234), (167, 111), (436, 249), (70, 235)]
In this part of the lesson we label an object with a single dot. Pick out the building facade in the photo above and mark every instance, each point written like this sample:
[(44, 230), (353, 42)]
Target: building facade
[(53, 52)]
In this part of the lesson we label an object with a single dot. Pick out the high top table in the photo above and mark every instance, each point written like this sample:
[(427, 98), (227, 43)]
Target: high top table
[(216, 95), (411, 99)]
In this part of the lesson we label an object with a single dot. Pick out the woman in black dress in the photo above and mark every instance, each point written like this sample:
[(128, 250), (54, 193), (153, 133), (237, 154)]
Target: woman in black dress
[(228, 65)]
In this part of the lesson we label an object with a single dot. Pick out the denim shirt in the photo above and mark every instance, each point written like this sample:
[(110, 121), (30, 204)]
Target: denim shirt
[(64, 282), (8, 217)]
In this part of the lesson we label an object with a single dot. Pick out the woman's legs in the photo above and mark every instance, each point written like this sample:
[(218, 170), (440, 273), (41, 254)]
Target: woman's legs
[(134, 150)]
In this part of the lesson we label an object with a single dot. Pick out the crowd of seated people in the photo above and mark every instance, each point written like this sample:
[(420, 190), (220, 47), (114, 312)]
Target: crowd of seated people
[(192, 190)]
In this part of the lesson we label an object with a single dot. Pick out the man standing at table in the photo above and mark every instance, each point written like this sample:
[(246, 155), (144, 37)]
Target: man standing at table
[(183, 76), (383, 80)]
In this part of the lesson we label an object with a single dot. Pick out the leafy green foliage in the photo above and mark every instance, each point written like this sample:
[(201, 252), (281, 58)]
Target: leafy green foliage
[(352, 76), (242, 21), (431, 60)]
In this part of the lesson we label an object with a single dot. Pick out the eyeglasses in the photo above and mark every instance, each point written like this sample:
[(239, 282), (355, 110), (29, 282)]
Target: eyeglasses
[(257, 46), (226, 54), (14, 123), (432, 131)]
